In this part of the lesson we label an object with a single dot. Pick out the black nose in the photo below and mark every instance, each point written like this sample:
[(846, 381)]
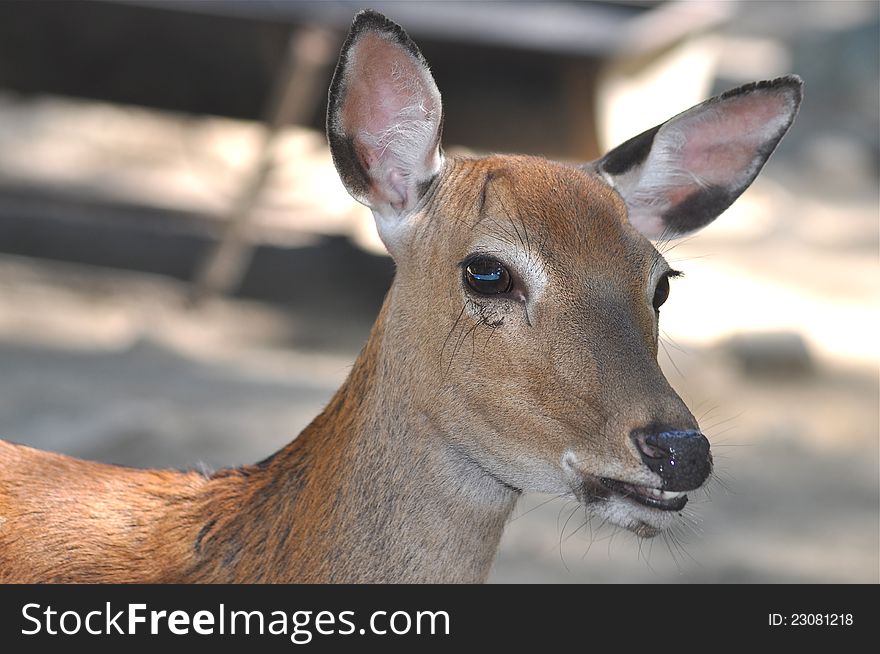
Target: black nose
[(681, 458)]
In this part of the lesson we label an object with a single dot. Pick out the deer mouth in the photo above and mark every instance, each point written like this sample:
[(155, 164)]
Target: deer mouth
[(653, 498)]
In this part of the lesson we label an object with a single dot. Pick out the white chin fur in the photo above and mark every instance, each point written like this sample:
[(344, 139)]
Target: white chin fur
[(623, 513)]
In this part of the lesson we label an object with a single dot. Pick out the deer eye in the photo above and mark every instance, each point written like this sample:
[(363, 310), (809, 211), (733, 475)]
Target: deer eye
[(487, 276), (661, 292)]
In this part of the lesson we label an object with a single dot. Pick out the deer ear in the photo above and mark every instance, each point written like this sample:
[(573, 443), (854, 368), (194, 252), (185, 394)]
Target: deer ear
[(680, 175), (384, 119)]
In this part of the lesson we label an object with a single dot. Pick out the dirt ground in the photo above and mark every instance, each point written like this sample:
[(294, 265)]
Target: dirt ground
[(111, 366)]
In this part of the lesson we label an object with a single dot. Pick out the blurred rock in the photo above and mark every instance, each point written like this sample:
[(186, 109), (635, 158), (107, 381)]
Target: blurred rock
[(777, 354)]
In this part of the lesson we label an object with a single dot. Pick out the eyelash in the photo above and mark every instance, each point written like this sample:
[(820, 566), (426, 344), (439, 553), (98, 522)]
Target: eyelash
[(662, 288)]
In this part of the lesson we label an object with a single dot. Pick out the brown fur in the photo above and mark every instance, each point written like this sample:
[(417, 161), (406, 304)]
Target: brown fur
[(411, 471)]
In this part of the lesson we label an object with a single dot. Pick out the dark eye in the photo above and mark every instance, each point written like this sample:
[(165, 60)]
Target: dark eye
[(661, 293), (487, 276)]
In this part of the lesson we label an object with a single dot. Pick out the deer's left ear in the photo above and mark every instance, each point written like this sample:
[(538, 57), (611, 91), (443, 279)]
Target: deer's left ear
[(384, 120), (680, 175)]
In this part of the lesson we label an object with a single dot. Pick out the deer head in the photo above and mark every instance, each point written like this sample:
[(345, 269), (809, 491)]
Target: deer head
[(526, 302)]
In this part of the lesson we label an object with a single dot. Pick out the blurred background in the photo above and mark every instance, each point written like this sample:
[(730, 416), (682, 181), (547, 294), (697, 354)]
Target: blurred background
[(184, 281)]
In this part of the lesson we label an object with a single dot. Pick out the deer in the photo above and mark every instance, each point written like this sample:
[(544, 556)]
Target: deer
[(515, 352)]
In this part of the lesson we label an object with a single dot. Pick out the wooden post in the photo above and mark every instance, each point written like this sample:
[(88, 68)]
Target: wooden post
[(296, 94)]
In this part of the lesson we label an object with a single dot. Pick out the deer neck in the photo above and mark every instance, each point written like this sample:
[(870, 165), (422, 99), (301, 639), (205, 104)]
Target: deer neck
[(373, 489)]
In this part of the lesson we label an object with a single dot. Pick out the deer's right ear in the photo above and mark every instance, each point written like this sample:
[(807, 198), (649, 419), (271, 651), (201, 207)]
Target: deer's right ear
[(384, 119)]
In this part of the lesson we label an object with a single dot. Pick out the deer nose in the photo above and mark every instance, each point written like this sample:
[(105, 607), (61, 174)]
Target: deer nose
[(681, 458)]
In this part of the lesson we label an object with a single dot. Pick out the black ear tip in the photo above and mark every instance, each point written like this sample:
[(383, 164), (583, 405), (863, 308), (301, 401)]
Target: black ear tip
[(366, 16), (794, 84), (790, 85), (370, 19)]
